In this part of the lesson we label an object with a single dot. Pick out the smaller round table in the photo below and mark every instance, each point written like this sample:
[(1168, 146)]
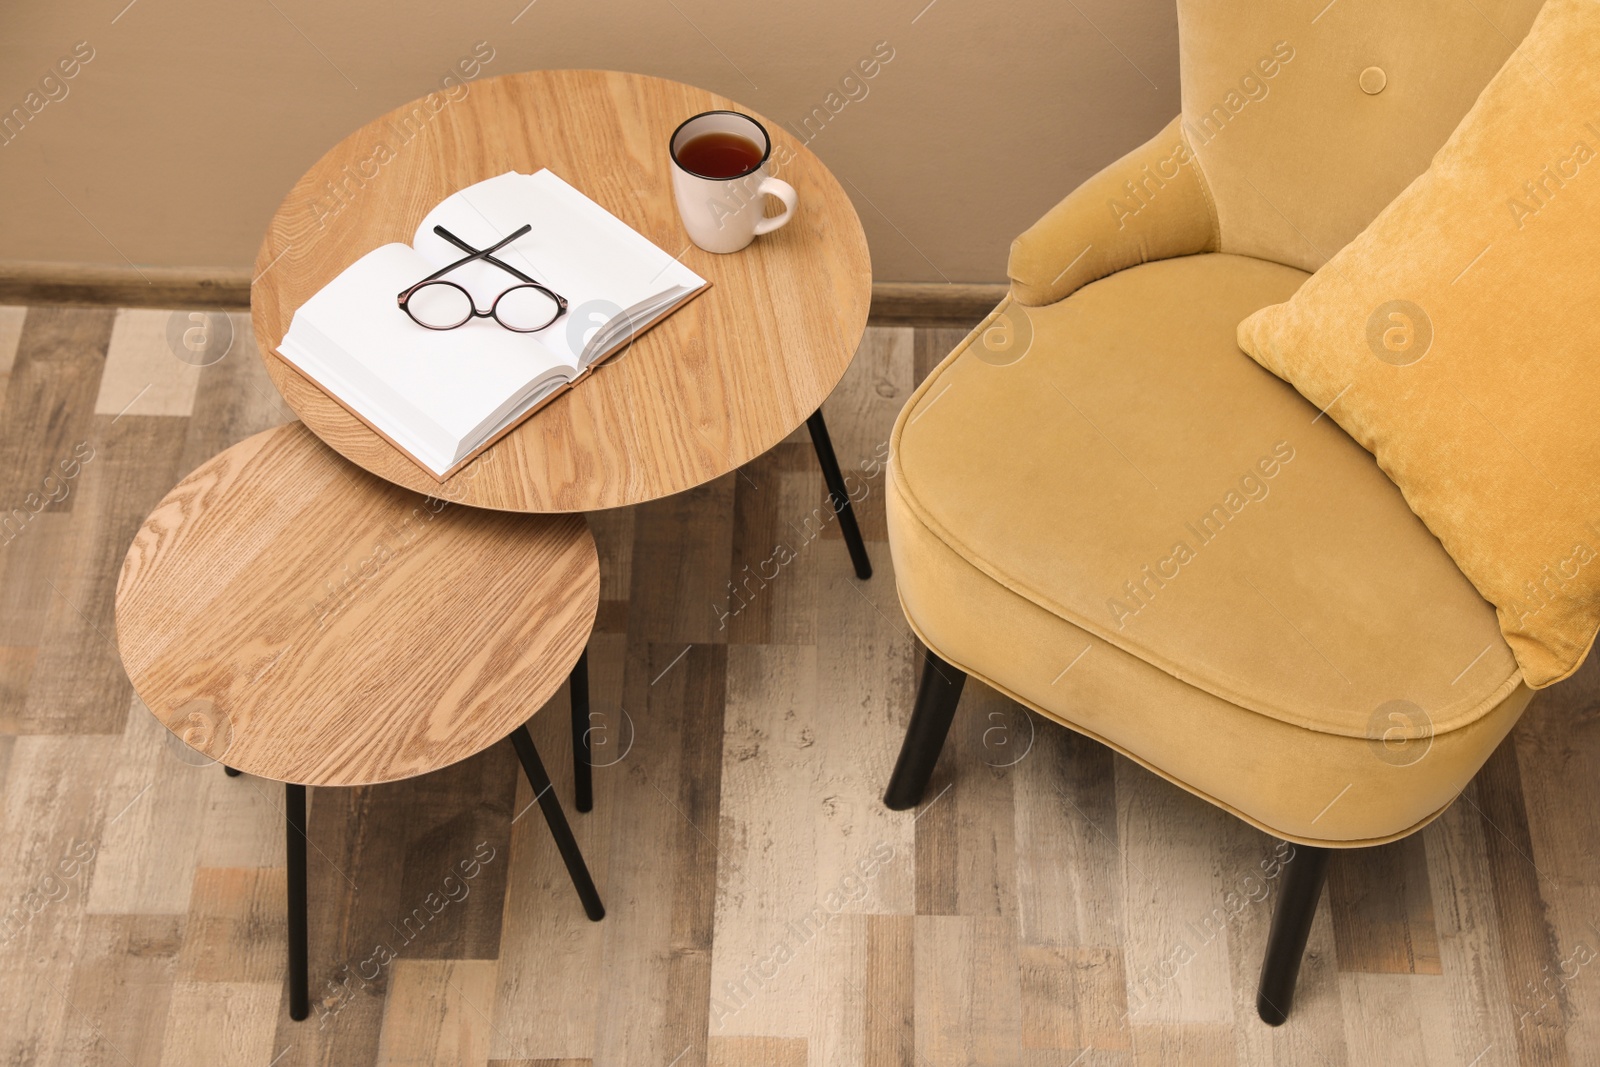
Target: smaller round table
[(294, 617)]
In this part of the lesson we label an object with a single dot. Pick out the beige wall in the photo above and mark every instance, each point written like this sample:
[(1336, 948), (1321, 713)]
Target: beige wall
[(174, 143)]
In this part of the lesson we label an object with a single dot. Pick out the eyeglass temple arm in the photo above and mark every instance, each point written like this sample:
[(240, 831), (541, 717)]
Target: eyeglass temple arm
[(476, 254), (485, 254)]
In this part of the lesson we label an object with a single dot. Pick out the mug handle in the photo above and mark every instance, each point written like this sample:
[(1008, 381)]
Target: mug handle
[(783, 191)]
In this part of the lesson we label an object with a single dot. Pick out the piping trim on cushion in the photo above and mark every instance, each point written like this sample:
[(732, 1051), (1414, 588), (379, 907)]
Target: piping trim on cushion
[(1151, 767)]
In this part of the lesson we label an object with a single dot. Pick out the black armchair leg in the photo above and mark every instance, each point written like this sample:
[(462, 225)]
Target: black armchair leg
[(1303, 877), (545, 793), (841, 498), (295, 832), (937, 695), (582, 771)]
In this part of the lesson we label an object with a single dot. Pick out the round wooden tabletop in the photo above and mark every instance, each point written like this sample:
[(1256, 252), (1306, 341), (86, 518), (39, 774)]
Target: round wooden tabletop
[(712, 386), (299, 619)]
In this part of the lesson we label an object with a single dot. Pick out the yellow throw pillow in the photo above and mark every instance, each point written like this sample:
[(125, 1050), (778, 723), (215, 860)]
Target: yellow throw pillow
[(1458, 339)]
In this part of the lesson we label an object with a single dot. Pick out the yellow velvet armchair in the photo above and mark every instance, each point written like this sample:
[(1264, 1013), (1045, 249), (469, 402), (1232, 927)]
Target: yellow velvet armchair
[(1099, 506)]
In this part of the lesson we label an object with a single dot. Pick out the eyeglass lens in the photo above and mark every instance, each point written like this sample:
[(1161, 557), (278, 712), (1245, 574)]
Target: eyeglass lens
[(440, 305), (525, 308)]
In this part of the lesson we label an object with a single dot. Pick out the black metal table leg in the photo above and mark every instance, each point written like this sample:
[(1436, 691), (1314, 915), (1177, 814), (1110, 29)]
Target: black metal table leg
[(938, 693), (299, 980), (545, 793), (582, 772), (841, 498), (1298, 894), (231, 772)]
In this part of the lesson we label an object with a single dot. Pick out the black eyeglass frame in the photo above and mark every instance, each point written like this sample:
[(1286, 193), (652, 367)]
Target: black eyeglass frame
[(487, 255)]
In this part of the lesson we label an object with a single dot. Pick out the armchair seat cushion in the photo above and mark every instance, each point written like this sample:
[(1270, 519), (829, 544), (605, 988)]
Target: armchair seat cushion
[(1105, 509)]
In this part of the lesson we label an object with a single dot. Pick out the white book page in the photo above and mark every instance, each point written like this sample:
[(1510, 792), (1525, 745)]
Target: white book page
[(440, 394), (441, 390), (601, 265)]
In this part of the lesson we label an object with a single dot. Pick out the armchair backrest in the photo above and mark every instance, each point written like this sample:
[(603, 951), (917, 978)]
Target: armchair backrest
[(1307, 117)]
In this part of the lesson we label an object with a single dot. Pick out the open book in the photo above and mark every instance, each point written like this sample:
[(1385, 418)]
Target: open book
[(441, 396)]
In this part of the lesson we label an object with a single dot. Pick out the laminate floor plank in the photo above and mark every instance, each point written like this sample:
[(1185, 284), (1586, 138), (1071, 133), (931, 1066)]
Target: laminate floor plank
[(236, 926), (1069, 878), (78, 684), (866, 671), (929, 347), (11, 319), (550, 954), (682, 549), (31, 570), (433, 1014), (49, 408), (145, 373), (57, 801), (757, 1052), (968, 991), (233, 399), (1383, 910), (226, 1022), (774, 906), (969, 822), (860, 414), (120, 991), (1395, 1018), (150, 847), (780, 511), (889, 1005), (1182, 1045), (661, 872), (1527, 942), (1470, 957), (1554, 749), (1174, 904)]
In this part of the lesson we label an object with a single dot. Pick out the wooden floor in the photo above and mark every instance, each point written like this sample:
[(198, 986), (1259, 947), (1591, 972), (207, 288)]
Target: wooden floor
[(1051, 905)]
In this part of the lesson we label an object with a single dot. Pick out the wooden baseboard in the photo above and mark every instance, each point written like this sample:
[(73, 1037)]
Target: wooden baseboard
[(112, 286), (933, 303), (893, 303)]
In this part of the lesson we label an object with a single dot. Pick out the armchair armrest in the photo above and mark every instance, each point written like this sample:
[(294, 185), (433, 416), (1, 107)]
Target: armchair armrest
[(1153, 203)]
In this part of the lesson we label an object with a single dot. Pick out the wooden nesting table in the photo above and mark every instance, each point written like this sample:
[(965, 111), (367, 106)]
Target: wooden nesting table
[(318, 622), (294, 617)]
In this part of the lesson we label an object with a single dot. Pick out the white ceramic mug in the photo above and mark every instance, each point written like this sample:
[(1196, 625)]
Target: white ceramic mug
[(725, 214)]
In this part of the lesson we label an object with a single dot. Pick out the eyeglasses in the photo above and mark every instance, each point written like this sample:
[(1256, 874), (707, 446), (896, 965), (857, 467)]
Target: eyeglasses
[(442, 305)]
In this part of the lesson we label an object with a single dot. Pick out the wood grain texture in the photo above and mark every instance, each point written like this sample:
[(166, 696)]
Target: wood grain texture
[(969, 994), (711, 387), (1533, 963), (11, 319), (934, 303), (115, 285), (77, 677), (890, 991), (235, 926), (432, 1014), (142, 375), (234, 400), (49, 407), (1383, 911), (124, 985), (735, 785), (757, 1052), (311, 623)]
